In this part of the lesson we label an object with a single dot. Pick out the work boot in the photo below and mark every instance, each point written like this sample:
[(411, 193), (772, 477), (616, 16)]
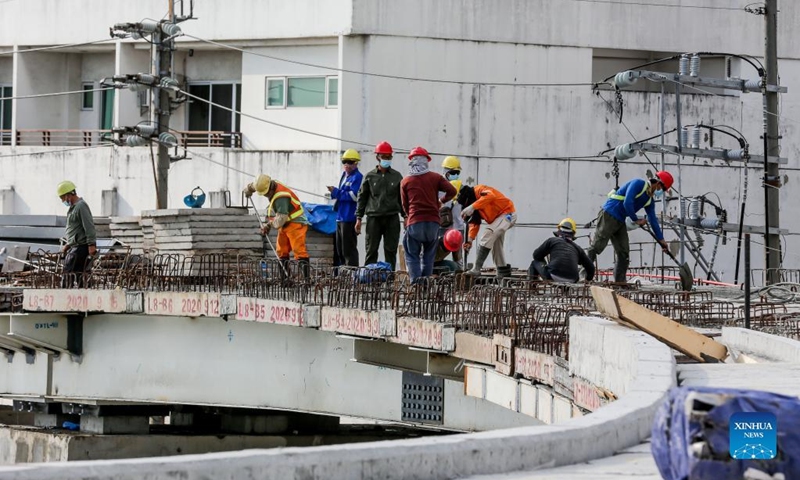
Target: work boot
[(503, 272), (305, 267), (620, 273), (284, 270), (483, 253)]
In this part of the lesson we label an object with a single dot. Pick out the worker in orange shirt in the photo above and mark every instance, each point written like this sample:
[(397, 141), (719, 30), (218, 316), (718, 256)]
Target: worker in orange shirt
[(482, 202), (285, 213)]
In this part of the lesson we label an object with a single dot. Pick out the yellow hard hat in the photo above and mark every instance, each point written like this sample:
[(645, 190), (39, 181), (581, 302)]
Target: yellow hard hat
[(569, 224), (351, 154), (65, 187), (451, 163), (261, 184)]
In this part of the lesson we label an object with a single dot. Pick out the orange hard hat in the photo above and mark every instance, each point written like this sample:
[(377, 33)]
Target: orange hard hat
[(452, 240)]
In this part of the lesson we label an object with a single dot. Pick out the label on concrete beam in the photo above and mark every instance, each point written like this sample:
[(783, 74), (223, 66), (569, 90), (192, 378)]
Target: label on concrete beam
[(534, 365), (585, 394), (416, 332), (503, 353), (269, 311), (184, 304), (134, 302), (351, 321), (77, 300)]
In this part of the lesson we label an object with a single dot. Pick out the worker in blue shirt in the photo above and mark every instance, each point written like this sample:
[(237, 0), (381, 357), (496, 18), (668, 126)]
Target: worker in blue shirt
[(346, 196), (623, 203)]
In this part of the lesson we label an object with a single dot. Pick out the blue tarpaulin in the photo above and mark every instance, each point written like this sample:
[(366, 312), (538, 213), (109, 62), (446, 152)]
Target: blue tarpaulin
[(696, 419), (321, 217)]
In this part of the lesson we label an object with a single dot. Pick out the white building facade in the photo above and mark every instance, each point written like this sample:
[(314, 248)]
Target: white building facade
[(504, 84)]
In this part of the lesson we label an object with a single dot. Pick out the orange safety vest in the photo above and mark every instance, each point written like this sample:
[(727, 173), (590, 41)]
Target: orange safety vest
[(282, 191)]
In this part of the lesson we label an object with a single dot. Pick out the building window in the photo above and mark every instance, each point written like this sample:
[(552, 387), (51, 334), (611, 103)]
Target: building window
[(204, 117), (305, 92), (88, 96), (276, 93), (6, 91), (332, 92)]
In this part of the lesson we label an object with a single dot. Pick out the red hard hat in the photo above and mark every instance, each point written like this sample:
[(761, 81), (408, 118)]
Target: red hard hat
[(419, 151), (384, 148), (666, 178), (452, 240)]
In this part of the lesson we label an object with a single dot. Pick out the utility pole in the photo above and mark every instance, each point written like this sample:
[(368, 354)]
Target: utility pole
[(772, 181), (163, 50)]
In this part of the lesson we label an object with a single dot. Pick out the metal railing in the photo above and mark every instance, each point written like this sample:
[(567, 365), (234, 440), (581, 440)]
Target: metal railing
[(90, 138)]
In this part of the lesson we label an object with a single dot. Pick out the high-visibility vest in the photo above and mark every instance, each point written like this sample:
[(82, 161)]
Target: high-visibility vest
[(283, 192), (614, 196)]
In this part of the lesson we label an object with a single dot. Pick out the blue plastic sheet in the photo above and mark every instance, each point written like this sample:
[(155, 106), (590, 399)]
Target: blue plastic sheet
[(321, 217), (675, 430), (374, 272)]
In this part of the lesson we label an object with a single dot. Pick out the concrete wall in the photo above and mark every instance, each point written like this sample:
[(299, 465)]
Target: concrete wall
[(621, 424), (40, 72), (240, 19), (320, 120), (762, 345), (94, 67)]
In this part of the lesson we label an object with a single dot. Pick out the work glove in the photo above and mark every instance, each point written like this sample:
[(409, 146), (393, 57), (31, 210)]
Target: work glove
[(279, 220), (248, 190), (265, 229), (467, 212)]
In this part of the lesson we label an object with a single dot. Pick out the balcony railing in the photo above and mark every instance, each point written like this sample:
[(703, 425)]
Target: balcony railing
[(90, 138)]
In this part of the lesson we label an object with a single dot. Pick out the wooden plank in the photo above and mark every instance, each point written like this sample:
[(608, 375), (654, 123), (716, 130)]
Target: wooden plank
[(606, 302), (474, 348), (692, 344), (19, 252)]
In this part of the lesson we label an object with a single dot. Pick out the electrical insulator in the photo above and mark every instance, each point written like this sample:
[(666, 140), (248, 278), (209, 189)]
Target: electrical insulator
[(683, 207), (752, 85), (167, 139), (695, 137), (694, 209), (728, 68), (683, 65), (171, 29), (683, 141), (148, 26), (624, 79), (737, 154), (169, 83), (624, 152), (146, 78), (136, 141), (694, 66), (146, 130), (710, 223)]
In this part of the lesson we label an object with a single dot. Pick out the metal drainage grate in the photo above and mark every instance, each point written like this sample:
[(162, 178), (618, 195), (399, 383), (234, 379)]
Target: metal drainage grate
[(423, 399)]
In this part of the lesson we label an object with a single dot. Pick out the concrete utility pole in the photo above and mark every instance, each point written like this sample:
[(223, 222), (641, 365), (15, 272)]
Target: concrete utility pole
[(772, 181), (163, 51)]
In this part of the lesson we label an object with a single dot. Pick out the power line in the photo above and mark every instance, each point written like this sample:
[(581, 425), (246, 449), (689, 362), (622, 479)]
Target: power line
[(665, 5), (56, 47), (358, 142), (56, 94), (383, 75)]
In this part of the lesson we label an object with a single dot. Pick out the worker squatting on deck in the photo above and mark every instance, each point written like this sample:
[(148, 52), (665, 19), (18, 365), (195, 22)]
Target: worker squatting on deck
[(80, 235)]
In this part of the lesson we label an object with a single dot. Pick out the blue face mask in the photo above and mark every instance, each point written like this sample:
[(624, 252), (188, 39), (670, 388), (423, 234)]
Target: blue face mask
[(659, 194), (386, 164), (66, 203), (453, 177)]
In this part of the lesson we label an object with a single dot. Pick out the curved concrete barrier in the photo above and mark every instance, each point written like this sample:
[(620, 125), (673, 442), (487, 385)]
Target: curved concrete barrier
[(641, 369), (769, 347)]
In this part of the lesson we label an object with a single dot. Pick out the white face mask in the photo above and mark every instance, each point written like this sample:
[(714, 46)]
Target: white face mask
[(66, 203), (658, 195)]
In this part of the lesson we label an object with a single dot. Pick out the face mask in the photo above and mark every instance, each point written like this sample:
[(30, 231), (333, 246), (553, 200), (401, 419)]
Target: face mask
[(386, 164), (659, 194), (453, 177), (66, 203)]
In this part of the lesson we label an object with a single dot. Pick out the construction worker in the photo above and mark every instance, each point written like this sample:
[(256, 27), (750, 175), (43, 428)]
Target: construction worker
[(565, 256), (419, 193), (285, 212), (80, 235), (451, 166), (623, 203), (346, 197), (449, 242), (482, 202), (379, 200)]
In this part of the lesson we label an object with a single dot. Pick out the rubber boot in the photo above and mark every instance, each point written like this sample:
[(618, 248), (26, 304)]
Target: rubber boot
[(483, 253), (620, 273), (503, 272), (305, 267)]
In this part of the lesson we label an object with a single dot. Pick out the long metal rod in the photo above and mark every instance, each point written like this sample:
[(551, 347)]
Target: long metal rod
[(682, 232), (747, 281), (663, 165)]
